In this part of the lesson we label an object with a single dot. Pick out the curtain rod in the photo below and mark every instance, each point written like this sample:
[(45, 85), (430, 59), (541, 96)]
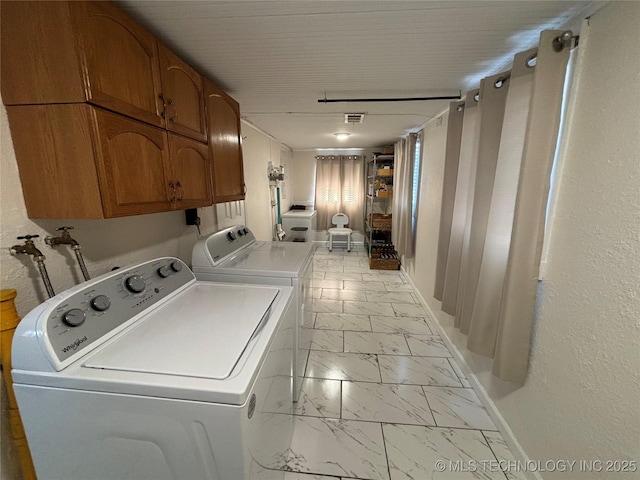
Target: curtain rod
[(564, 39), (405, 99)]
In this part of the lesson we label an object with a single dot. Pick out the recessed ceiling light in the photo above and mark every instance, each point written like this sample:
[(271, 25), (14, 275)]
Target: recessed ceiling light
[(342, 136)]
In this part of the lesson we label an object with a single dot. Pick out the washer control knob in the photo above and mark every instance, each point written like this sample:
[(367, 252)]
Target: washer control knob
[(74, 317), (240, 232), (231, 236), (164, 271), (135, 283), (176, 266), (101, 303), (246, 231)]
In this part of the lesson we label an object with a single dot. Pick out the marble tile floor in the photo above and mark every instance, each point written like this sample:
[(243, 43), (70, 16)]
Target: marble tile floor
[(382, 398)]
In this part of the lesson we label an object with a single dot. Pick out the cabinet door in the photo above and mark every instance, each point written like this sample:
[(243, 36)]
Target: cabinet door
[(190, 172), (223, 123), (183, 96), (39, 59), (132, 159), (120, 62), (54, 147)]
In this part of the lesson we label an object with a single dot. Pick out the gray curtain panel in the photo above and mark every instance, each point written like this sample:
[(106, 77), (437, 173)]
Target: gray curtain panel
[(339, 188), (402, 219), (465, 181), (452, 158), (497, 218)]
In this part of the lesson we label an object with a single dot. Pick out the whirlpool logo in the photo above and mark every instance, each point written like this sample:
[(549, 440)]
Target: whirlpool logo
[(74, 346)]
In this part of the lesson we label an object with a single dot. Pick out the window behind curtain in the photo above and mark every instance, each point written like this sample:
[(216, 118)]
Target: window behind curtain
[(339, 188), (415, 186)]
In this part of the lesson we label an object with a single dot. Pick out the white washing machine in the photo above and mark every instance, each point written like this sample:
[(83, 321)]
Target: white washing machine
[(234, 255), (146, 373)]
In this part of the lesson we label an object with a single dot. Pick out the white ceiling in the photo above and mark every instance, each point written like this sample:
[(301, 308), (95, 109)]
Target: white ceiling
[(278, 58)]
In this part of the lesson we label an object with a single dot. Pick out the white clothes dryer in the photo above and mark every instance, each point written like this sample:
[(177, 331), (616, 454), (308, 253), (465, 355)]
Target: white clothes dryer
[(234, 255), (147, 373)]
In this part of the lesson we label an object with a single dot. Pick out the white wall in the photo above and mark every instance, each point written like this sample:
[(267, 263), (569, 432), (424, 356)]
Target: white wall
[(304, 177), (258, 150), (580, 400)]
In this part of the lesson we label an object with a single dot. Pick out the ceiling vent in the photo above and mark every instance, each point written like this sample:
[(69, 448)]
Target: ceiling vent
[(353, 117)]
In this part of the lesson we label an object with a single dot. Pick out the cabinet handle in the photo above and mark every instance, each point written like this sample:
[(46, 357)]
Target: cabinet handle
[(244, 188), (175, 111), (163, 114), (180, 191), (172, 198)]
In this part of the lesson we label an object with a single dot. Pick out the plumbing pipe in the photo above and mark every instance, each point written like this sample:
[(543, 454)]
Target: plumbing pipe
[(45, 276), (30, 249), (83, 267), (278, 202), (280, 234)]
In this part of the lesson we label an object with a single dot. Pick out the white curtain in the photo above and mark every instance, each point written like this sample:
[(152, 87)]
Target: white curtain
[(504, 163), (488, 295), (493, 95), (464, 188), (340, 188), (451, 163), (402, 234)]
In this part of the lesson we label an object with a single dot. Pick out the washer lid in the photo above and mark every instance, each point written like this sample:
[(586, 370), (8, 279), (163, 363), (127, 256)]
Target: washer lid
[(202, 333), (300, 214), (267, 259)]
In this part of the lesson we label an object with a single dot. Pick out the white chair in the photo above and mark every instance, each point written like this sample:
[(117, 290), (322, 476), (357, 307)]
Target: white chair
[(340, 220)]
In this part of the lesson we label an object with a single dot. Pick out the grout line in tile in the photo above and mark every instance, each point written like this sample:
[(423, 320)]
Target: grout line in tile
[(341, 387), (494, 453), (428, 404), (420, 356), (389, 383), (386, 455), (449, 359), (434, 426), (379, 369), (378, 422), (343, 347), (404, 335)]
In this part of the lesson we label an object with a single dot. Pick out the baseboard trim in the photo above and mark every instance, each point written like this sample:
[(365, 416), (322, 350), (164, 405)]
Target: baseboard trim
[(494, 413)]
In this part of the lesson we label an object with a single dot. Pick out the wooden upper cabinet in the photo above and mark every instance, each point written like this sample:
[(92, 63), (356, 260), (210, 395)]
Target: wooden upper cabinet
[(54, 146), (78, 161), (190, 169), (225, 144), (105, 120), (132, 161), (73, 52), (120, 62), (183, 96), (40, 62)]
